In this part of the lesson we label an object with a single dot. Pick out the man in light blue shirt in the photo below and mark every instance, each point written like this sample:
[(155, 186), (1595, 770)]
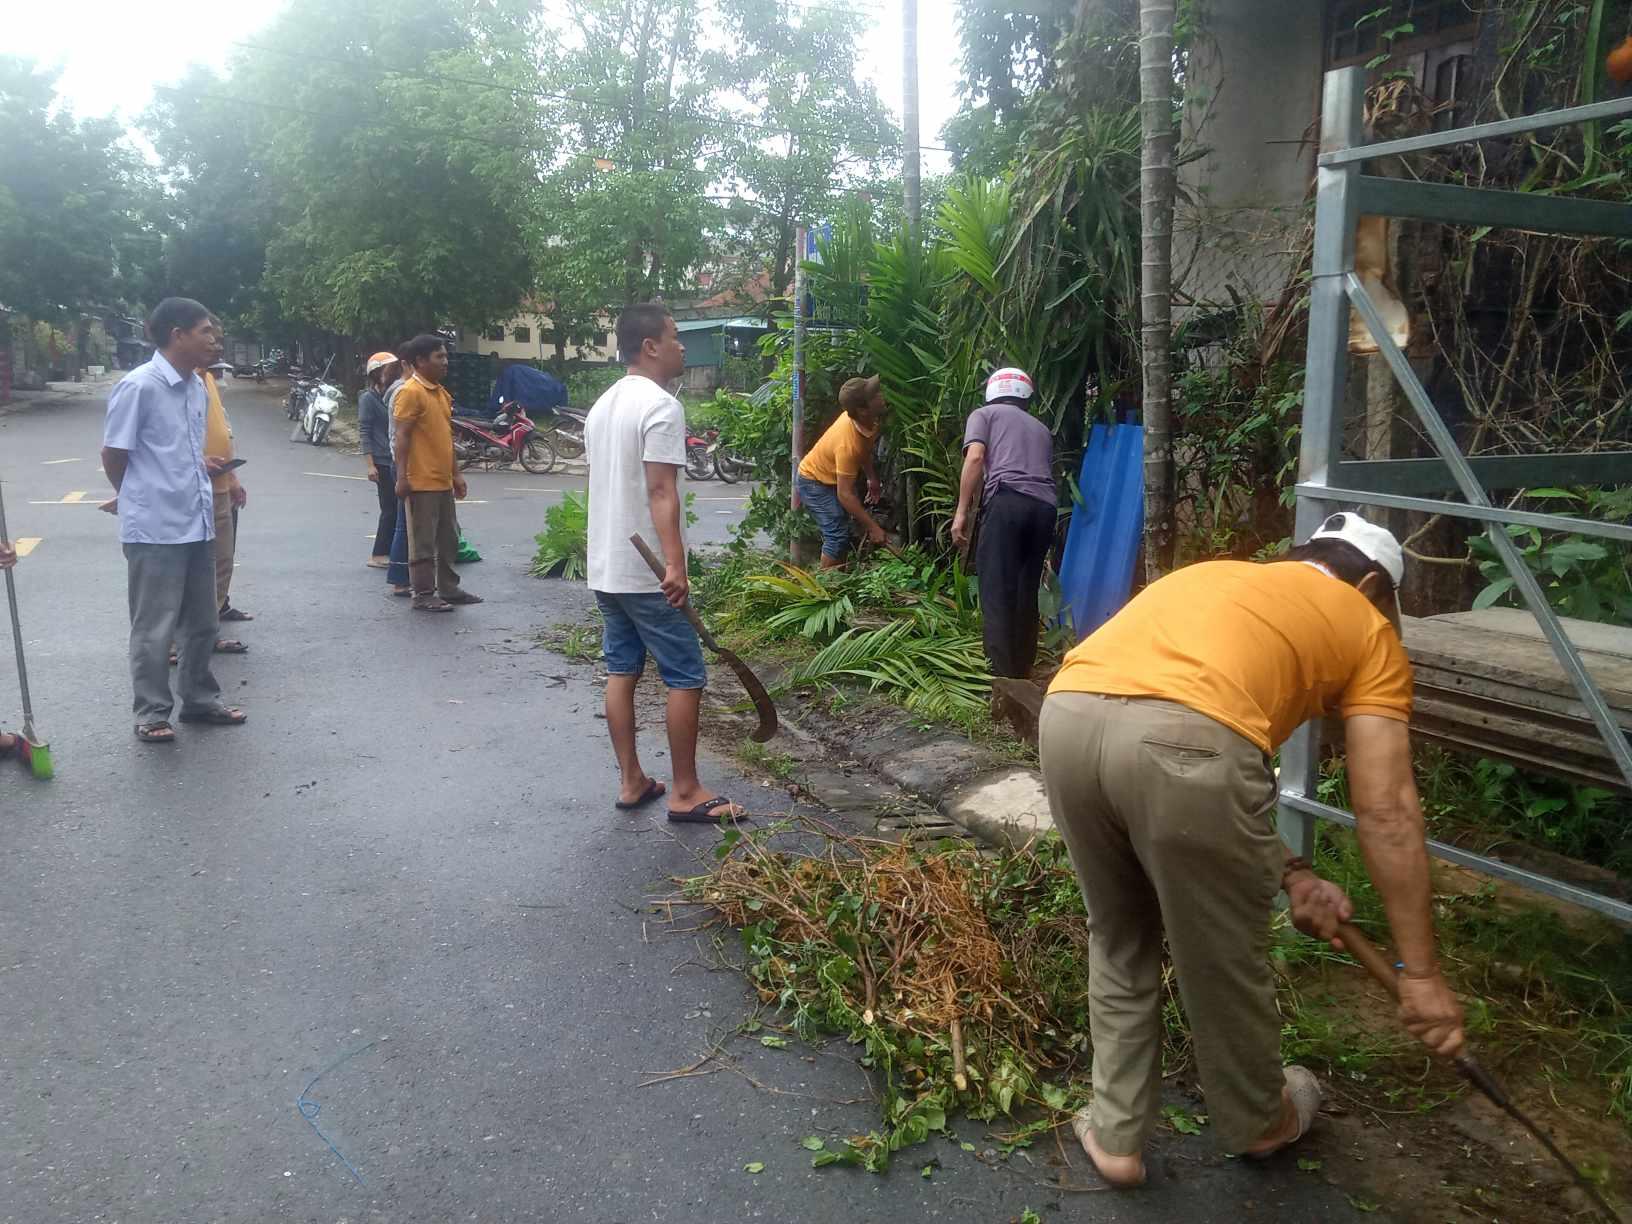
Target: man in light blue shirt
[(153, 454)]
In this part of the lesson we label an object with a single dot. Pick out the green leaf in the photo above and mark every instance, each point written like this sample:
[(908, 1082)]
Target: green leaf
[(1492, 593), (823, 1159), (771, 1042), (1360, 1203), (1307, 1165), (813, 1143), (754, 1166), (926, 1171), (966, 1145)]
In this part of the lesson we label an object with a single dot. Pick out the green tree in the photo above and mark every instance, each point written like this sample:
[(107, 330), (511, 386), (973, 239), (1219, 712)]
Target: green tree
[(812, 130), (75, 199)]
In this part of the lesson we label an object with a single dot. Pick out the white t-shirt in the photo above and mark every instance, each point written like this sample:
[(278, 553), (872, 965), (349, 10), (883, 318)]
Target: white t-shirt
[(634, 423)]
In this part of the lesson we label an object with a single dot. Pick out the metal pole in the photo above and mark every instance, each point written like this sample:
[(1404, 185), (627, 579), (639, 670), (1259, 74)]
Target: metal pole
[(909, 109), (798, 360), (1341, 125)]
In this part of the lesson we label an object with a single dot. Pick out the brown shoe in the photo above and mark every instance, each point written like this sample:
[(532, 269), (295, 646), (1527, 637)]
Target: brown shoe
[(463, 597), (430, 603)]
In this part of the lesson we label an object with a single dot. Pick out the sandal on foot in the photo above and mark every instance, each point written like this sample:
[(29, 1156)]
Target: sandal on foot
[(235, 614), (216, 716), (463, 597), (404, 592), (708, 812), (1302, 1089), (429, 603), (378, 563), (230, 646), (1119, 1172), (654, 788), (156, 733)]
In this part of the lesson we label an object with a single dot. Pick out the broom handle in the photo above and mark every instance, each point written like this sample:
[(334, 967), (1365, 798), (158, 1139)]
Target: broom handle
[(16, 631)]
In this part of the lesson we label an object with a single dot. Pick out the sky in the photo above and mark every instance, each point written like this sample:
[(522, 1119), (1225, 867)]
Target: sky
[(112, 58)]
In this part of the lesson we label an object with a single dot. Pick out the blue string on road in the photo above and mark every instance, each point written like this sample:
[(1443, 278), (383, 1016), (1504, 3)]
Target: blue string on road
[(310, 1109)]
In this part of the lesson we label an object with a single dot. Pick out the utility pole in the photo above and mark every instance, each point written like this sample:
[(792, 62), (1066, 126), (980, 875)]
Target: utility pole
[(1156, 189), (909, 108)]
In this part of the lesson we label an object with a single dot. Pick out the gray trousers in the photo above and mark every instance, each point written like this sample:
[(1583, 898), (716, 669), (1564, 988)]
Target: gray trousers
[(172, 599)]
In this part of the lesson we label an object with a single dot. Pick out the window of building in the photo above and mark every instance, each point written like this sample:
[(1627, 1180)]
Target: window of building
[(600, 339), (495, 333), (522, 335), (1359, 30)]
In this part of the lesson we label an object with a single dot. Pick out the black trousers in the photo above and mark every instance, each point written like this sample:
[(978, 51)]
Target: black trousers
[(1016, 532), (386, 487)]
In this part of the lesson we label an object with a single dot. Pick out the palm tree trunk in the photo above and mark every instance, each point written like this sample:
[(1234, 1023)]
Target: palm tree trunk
[(1156, 189)]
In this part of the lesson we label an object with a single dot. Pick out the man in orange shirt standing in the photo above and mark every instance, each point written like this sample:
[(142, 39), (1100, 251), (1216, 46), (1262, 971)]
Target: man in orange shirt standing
[(1155, 740), (427, 480), (830, 469), (230, 497)]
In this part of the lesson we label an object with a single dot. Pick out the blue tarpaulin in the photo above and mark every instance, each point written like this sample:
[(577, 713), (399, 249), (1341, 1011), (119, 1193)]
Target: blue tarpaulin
[(534, 389), (1096, 572)]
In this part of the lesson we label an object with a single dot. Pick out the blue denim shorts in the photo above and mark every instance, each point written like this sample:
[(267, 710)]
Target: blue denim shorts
[(638, 625), (822, 500)]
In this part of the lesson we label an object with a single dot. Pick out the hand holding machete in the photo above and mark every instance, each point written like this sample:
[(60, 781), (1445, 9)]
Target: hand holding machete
[(756, 690)]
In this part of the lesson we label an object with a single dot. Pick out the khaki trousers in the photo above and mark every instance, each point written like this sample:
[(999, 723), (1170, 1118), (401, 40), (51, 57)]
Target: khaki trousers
[(433, 543), (226, 545), (1168, 817)]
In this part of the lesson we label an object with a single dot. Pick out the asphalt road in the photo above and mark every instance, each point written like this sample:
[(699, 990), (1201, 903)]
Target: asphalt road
[(386, 952)]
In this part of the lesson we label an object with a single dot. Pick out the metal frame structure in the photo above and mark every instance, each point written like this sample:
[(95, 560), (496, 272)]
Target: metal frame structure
[(1327, 481)]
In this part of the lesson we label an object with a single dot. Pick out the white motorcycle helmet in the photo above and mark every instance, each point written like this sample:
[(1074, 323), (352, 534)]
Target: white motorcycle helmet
[(1009, 383)]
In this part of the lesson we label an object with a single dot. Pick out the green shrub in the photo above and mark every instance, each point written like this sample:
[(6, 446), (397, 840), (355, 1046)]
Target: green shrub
[(563, 545)]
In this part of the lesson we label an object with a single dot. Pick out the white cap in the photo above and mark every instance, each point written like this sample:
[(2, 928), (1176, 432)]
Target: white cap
[(1375, 543), (1009, 383)]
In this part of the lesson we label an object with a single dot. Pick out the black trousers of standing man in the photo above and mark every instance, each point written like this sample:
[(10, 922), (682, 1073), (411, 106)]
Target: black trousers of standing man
[(1016, 532)]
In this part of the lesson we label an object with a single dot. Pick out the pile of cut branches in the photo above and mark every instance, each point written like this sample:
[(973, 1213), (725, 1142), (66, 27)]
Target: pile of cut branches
[(962, 974)]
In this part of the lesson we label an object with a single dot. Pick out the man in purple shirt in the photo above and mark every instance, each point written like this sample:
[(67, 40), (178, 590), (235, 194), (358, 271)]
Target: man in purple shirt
[(1008, 458)]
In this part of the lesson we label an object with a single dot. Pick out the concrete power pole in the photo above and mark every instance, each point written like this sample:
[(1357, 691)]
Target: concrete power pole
[(1156, 190), (909, 108)]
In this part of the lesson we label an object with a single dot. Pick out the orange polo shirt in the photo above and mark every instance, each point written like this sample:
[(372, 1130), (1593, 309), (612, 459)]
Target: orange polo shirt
[(1258, 648), (217, 432), (840, 452), (428, 463)]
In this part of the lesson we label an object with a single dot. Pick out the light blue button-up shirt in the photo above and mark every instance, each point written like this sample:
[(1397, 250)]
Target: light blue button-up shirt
[(156, 414)]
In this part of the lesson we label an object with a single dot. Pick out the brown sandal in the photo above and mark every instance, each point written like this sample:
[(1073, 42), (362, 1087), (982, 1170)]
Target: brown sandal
[(156, 733)]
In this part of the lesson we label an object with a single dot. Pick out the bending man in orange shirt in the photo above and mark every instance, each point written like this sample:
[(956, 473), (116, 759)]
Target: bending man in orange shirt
[(1156, 738), (829, 470)]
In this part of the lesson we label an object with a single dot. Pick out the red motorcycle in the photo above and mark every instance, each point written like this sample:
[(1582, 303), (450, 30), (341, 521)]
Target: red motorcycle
[(700, 452), (510, 437)]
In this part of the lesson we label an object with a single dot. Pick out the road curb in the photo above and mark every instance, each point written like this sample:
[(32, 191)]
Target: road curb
[(990, 797)]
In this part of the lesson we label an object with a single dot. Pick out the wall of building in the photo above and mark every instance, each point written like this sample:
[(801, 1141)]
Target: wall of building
[(1256, 80), (539, 344)]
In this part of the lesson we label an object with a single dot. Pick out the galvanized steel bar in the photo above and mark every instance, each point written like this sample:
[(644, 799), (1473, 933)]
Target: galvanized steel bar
[(1525, 210), (1620, 911), (1342, 125), (1613, 109), (1482, 514), (1494, 472), (1568, 657)]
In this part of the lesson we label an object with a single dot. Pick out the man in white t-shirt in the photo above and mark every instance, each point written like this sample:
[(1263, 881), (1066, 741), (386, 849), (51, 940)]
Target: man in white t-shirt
[(635, 441)]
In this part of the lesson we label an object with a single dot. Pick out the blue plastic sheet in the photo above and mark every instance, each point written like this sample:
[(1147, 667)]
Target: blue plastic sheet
[(1096, 572), (536, 390)]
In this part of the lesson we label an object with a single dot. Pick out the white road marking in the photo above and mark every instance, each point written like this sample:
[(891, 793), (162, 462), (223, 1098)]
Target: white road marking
[(54, 462), (26, 545), (335, 476), (76, 498)]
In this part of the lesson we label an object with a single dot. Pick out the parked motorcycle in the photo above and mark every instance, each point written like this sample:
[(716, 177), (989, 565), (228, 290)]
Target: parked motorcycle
[(566, 432), (728, 465), (257, 370), (699, 462), (322, 403), (510, 437)]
